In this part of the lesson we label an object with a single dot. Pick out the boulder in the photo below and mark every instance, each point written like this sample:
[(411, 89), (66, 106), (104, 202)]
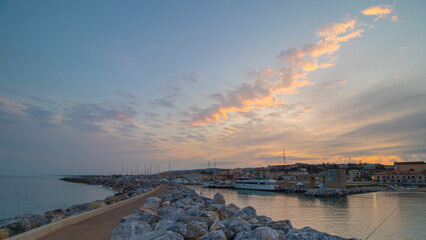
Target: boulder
[(130, 230), (148, 217), (216, 226), (236, 226), (264, 219), (169, 235), (211, 215), (78, 208), (132, 217), (167, 224), (174, 214), (263, 233), (214, 235), (218, 199), (97, 204), (250, 211), (4, 233), (152, 203), (196, 229), (308, 233), (24, 223), (281, 225)]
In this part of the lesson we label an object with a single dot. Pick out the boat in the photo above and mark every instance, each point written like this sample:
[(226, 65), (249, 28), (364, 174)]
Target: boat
[(218, 184), (263, 184), (221, 184)]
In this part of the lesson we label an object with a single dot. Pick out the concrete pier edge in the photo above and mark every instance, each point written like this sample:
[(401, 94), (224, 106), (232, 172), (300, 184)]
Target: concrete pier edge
[(42, 231)]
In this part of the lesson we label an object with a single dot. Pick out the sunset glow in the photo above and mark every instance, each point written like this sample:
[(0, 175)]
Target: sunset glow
[(185, 83)]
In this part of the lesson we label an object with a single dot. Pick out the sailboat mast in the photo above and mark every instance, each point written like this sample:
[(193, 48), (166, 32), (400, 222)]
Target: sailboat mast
[(284, 160)]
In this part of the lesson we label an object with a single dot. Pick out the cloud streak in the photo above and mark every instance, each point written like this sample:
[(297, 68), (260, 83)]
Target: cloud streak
[(380, 11)]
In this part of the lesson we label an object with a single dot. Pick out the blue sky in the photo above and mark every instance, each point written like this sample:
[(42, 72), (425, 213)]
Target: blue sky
[(106, 86)]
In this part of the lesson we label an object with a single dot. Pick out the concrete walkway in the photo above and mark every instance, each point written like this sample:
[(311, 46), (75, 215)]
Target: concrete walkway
[(100, 227)]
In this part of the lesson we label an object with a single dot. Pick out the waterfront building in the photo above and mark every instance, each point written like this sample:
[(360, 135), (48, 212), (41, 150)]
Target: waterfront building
[(261, 173), (400, 178), (403, 173)]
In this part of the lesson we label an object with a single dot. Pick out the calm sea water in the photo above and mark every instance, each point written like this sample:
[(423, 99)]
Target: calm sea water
[(351, 216), (20, 195)]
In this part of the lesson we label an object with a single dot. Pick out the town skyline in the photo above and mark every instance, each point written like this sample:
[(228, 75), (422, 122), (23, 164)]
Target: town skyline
[(86, 86)]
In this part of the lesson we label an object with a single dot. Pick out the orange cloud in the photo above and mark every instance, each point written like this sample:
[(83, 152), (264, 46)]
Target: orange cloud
[(270, 83), (379, 11)]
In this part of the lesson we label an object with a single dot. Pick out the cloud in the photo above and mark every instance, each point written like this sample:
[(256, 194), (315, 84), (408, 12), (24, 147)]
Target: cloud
[(90, 116), (166, 101), (394, 18), (404, 48), (333, 84), (11, 112), (379, 11), (190, 78), (296, 63)]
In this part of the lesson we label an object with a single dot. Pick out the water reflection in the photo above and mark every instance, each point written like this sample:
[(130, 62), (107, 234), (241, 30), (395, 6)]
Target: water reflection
[(254, 192)]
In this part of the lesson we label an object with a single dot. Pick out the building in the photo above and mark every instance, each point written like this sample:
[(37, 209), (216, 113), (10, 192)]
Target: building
[(297, 173), (409, 166), (224, 174), (261, 173), (403, 173), (238, 172), (354, 174), (334, 178)]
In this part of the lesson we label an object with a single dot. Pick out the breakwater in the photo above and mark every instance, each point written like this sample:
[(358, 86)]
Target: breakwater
[(333, 192), (181, 213), (126, 187)]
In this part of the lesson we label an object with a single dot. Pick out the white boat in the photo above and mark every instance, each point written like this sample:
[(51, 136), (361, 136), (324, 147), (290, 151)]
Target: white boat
[(264, 184), (218, 184)]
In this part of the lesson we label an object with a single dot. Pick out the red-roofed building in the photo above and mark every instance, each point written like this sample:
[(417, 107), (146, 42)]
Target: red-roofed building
[(403, 173)]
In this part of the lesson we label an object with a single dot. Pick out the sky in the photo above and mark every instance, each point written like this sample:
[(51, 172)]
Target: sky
[(91, 87)]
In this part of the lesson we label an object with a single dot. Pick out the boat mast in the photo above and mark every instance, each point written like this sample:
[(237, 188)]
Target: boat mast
[(285, 169)]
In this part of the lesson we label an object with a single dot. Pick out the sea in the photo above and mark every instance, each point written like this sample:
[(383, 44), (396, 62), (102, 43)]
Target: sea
[(378, 215), (39, 194)]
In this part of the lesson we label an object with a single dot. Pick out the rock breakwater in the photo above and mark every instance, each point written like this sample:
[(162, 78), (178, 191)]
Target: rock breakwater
[(181, 213), (126, 187), (334, 192)]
